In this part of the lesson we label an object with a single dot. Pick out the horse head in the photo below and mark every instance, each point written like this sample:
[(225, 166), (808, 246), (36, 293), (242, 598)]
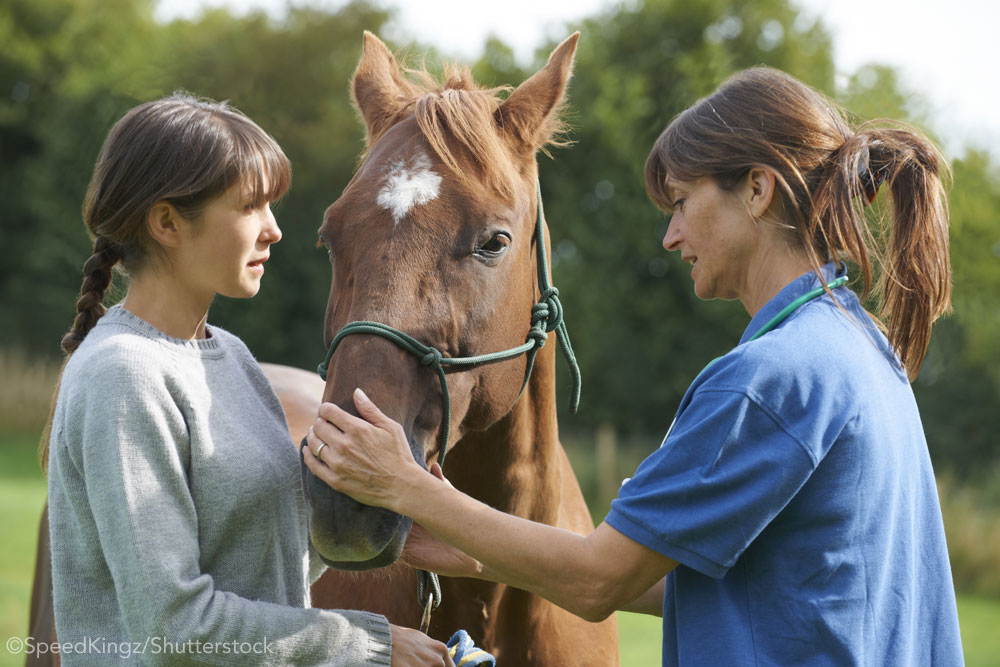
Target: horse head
[(434, 236)]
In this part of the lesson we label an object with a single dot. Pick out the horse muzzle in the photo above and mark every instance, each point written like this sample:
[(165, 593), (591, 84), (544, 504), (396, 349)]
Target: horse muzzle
[(349, 535)]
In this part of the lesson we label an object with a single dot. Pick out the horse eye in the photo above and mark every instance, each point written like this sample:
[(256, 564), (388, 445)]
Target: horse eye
[(496, 245)]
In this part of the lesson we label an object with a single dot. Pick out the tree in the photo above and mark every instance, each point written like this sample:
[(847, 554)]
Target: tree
[(72, 67), (64, 62), (959, 387)]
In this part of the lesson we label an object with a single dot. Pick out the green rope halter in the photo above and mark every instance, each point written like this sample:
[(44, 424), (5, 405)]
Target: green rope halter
[(546, 316)]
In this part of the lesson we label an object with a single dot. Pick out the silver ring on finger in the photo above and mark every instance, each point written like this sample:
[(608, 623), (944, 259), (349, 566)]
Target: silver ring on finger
[(319, 449)]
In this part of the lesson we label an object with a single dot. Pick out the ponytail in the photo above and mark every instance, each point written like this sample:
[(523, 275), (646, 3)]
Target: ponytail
[(901, 247)]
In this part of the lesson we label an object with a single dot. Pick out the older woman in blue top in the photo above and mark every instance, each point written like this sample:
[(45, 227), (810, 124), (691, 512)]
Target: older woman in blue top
[(790, 515)]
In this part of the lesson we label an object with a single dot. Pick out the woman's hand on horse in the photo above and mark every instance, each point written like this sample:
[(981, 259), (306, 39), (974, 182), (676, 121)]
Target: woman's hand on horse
[(412, 648), (425, 551), (366, 457)]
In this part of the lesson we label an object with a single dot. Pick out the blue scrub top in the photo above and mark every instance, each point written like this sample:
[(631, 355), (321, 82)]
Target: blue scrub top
[(796, 491)]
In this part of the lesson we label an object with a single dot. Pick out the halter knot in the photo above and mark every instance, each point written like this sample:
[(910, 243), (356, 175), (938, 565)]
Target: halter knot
[(548, 310), (537, 334), (432, 358)]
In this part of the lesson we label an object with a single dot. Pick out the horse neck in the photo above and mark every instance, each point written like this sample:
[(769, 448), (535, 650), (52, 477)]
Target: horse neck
[(514, 465)]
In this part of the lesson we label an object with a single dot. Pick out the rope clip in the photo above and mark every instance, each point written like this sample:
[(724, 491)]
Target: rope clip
[(425, 620)]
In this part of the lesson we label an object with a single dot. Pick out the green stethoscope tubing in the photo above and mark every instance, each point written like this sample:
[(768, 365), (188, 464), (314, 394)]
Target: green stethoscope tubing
[(794, 305), (788, 310)]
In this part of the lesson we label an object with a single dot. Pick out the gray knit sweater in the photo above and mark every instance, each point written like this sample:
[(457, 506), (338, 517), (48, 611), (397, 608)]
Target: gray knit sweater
[(178, 523)]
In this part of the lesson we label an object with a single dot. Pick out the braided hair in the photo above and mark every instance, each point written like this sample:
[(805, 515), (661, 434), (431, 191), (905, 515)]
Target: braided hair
[(97, 273)]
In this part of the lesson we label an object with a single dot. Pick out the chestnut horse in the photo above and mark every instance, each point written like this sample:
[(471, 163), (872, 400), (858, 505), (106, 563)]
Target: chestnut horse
[(435, 236)]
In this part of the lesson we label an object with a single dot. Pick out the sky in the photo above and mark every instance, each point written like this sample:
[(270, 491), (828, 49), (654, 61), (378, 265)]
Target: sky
[(947, 51)]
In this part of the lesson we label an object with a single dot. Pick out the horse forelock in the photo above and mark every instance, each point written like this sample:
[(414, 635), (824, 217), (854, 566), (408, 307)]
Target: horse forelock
[(461, 122)]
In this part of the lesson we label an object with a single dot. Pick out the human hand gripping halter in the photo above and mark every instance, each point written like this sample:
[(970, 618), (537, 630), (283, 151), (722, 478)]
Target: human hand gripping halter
[(546, 316)]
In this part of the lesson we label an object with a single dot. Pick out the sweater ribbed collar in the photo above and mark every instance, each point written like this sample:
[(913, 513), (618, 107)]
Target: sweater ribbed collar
[(117, 315)]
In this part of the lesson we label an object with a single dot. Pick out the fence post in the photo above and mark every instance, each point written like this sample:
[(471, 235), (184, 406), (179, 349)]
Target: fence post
[(607, 463)]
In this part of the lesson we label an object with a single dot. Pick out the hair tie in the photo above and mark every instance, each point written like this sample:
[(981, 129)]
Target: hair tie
[(870, 181)]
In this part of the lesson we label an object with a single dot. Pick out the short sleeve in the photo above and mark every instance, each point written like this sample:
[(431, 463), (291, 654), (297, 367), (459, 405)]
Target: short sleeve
[(723, 473)]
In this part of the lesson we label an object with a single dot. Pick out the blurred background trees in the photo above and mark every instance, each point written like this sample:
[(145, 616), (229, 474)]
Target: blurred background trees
[(69, 68)]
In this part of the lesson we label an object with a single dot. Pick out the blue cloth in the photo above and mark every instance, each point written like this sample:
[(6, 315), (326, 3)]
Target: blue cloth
[(796, 492), (464, 653)]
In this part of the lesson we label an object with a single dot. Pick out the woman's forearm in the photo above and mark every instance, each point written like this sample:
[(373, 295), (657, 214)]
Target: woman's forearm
[(650, 602), (368, 458), (548, 561), (590, 576)]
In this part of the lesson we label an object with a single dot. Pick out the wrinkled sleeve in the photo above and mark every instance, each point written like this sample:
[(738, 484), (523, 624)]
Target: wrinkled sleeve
[(722, 474), (133, 457)]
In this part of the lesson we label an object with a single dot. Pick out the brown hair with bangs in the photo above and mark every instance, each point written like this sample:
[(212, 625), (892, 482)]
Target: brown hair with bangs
[(826, 173), (183, 150)]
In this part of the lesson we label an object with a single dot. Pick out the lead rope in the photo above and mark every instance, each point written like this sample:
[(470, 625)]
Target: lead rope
[(428, 599), (546, 316)]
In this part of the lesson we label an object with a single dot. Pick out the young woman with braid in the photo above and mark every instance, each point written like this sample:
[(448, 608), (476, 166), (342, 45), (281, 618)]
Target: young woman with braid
[(790, 516), (178, 526)]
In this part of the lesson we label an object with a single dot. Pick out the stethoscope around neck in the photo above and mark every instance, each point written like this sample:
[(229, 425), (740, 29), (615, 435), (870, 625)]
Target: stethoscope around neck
[(774, 322), (788, 310)]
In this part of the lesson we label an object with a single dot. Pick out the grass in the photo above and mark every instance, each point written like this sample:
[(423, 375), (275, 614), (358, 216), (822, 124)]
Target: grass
[(639, 635), (980, 620), (26, 391), (639, 639), (22, 495)]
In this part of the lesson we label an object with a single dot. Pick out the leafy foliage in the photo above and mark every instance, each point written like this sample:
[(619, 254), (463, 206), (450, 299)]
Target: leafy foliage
[(69, 68)]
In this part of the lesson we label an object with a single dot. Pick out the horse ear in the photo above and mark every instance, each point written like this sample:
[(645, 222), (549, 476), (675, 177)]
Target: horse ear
[(531, 113), (378, 87)]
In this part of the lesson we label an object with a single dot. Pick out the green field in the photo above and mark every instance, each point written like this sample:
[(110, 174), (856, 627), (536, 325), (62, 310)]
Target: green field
[(22, 495), (639, 636)]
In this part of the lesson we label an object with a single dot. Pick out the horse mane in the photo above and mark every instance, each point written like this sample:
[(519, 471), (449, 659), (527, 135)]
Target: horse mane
[(461, 119)]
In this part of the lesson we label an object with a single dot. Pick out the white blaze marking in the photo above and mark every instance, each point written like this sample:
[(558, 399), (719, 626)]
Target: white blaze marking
[(407, 186)]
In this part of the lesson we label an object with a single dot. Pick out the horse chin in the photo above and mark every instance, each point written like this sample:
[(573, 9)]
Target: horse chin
[(349, 535), (365, 554)]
